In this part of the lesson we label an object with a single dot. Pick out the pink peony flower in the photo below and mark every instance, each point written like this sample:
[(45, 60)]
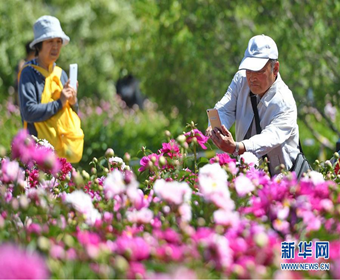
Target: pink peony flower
[(23, 147), (87, 237), (143, 216), (171, 149), (11, 171), (225, 159), (133, 248), (136, 270), (226, 217), (144, 162), (201, 139), (16, 263)]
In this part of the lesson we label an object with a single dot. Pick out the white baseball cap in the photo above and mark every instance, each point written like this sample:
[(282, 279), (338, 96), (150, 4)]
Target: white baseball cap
[(48, 27), (260, 49)]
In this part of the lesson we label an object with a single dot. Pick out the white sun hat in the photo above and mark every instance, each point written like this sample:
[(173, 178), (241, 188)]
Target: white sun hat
[(48, 27), (260, 49)]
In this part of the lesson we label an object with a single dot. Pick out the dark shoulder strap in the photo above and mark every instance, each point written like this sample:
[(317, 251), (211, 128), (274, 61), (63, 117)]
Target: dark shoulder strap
[(256, 113), (257, 120)]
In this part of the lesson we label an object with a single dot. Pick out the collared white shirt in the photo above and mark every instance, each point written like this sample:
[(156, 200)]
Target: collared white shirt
[(279, 138)]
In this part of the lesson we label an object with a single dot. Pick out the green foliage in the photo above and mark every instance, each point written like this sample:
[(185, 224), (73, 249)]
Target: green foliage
[(107, 125)]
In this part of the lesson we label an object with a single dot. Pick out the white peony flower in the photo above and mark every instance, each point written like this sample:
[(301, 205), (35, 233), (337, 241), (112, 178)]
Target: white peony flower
[(315, 177), (250, 159), (212, 179), (243, 185), (173, 192), (114, 184), (80, 201), (117, 161)]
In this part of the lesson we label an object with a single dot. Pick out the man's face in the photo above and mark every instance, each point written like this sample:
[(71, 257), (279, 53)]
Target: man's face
[(260, 81)]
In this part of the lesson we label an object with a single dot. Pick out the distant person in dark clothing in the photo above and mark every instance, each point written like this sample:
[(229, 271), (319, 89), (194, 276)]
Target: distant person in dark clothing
[(30, 54), (128, 89)]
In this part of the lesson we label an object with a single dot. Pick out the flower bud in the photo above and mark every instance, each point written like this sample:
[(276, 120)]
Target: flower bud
[(121, 264), (44, 243), (15, 204), (2, 222), (23, 202), (85, 175), (181, 138), (261, 239), (150, 164), (2, 151), (127, 157), (109, 153), (93, 171), (162, 161), (328, 163), (167, 133), (68, 240)]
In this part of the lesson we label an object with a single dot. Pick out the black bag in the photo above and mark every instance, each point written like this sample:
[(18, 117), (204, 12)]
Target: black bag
[(300, 165)]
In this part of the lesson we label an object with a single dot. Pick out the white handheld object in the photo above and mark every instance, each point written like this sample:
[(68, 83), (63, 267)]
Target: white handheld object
[(73, 75)]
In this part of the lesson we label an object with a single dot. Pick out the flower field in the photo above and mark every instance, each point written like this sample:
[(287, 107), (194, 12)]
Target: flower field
[(178, 216)]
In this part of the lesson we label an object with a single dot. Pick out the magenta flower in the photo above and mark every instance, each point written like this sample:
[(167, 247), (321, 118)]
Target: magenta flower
[(86, 238), (135, 249), (201, 139), (33, 177), (23, 147), (65, 168), (225, 159), (29, 153), (171, 149), (136, 271), (144, 162), (16, 263)]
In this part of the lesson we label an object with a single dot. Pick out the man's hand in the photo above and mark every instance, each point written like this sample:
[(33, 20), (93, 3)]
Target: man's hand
[(208, 131), (223, 139)]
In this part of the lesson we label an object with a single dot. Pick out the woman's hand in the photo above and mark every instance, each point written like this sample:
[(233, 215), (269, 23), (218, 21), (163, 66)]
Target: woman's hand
[(68, 94)]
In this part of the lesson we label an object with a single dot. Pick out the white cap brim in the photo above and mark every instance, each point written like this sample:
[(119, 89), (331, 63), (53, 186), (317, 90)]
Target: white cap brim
[(252, 63)]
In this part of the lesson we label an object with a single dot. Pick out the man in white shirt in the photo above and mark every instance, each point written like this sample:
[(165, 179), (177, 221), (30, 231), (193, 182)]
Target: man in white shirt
[(279, 136)]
